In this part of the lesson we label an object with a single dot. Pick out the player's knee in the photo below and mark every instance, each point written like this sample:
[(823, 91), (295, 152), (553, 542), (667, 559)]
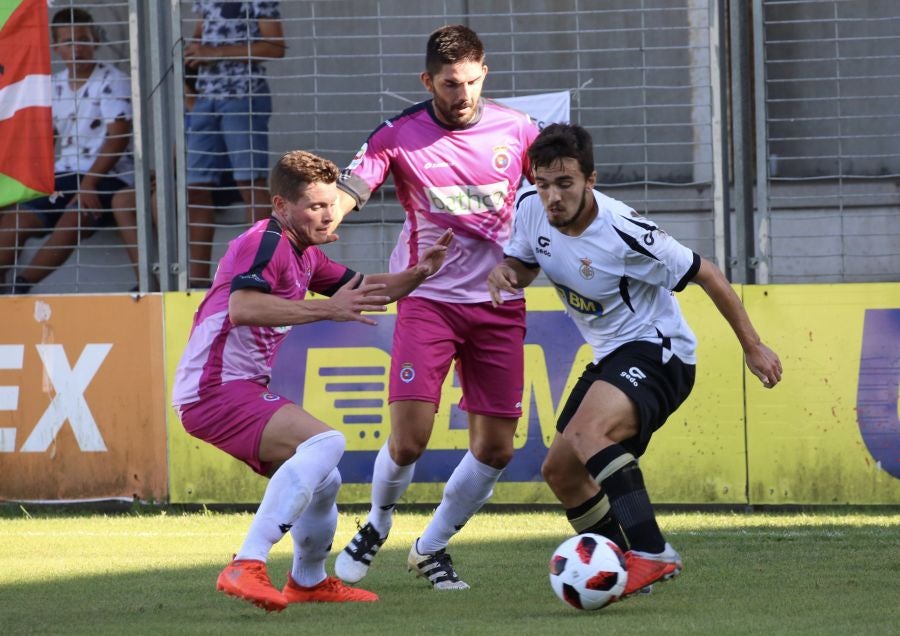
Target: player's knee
[(329, 487), (494, 456), (552, 474), (406, 450), (327, 447)]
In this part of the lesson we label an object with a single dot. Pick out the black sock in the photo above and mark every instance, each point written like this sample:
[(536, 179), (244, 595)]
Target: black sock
[(595, 516), (617, 472)]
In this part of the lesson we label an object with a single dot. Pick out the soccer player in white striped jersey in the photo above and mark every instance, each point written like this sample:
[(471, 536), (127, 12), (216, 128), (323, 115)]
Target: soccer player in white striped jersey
[(616, 273)]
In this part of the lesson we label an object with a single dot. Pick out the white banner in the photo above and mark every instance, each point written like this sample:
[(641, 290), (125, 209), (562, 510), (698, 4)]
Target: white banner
[(544, 108)]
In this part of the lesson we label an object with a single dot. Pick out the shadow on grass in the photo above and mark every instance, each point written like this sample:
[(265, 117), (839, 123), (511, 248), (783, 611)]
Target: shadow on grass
[(510, 595), (739, 579)]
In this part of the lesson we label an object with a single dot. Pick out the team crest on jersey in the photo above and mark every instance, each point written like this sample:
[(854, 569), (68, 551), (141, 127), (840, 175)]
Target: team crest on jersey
[(357, 159), (270, 397), (501, 157), (586, 271), (407, 373)]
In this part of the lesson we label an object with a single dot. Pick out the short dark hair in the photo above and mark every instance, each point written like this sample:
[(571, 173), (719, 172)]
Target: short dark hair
[(452, 44), (560, 141), (297, 169), (73, 16)]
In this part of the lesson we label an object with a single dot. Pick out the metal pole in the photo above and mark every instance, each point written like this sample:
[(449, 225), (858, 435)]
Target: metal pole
[(180, 203), (718, 65), (140, 132), (160, 102), (762, 220), (741, 117)]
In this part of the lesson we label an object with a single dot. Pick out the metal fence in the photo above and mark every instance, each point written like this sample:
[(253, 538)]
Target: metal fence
[(832, 137), (688, 101)]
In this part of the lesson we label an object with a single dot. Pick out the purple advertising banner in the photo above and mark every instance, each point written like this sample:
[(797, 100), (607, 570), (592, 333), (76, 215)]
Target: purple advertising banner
[(356, 394)]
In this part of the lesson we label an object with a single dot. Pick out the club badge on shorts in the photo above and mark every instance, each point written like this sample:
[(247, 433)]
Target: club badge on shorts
[(270, 397), (407, 373)]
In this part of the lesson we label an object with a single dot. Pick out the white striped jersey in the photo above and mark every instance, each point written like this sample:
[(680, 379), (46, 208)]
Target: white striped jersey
[(616, 280)]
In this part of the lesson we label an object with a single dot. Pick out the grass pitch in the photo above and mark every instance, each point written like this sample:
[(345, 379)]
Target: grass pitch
[(153, 572)]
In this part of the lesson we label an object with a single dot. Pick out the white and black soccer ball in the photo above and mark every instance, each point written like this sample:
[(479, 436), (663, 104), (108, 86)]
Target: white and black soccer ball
[(587, 571)]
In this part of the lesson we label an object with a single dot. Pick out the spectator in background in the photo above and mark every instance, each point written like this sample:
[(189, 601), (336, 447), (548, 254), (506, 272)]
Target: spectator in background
[(200, 214), (91, 104), (230, 120)]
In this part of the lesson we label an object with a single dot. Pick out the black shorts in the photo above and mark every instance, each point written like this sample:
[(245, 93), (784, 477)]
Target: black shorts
[(657, 394), (50, 209)]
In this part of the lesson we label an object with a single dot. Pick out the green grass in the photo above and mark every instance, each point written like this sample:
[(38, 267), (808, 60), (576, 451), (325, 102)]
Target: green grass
[(153, 572)]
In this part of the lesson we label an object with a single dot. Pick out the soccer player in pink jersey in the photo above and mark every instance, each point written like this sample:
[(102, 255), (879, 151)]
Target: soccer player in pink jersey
[(457, 160), (221, 382)]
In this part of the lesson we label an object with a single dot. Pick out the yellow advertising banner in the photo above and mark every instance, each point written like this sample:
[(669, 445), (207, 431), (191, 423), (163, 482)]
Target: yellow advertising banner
[(82, 408), (829, 434), (81, 401), (699, 455), (198, 472), (338, 372)]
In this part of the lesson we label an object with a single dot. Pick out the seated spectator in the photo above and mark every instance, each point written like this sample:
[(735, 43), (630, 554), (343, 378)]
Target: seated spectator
[(91, 103), (201, 209)]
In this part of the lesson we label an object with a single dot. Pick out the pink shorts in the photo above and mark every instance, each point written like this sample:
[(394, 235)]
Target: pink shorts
[(486, 342), (232, 417)]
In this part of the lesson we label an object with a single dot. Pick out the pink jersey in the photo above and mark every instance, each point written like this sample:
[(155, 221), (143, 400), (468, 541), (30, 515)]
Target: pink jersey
[(261, 258), (464, 178)]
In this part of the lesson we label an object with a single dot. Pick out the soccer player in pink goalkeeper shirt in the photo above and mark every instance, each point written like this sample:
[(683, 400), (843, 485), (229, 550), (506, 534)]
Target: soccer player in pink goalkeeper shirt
[(221, 382), (457, 160)]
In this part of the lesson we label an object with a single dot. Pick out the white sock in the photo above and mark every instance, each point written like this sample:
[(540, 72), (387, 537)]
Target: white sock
[(469, 487), (389, 482), (289, 492), (313, 532)]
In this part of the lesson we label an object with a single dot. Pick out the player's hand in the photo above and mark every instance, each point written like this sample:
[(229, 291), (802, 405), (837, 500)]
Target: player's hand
[(331, 237), (501, 279), (764, 364), (432, 258), (349, 303)]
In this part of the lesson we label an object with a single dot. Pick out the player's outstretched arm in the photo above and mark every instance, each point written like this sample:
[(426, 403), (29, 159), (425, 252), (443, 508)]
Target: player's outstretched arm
[(253, 307), (400, 284), (509, 275), (762, 361)]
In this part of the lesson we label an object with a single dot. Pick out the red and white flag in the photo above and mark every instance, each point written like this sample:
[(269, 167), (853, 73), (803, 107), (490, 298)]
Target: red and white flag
[(26, 120)]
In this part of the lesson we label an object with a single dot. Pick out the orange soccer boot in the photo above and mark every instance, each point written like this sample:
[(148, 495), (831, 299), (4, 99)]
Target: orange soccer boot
[(249, 580), (646, 568), (331, 590)]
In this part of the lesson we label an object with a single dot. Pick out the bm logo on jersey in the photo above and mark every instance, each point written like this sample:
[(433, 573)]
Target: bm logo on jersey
[(578, 302)]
